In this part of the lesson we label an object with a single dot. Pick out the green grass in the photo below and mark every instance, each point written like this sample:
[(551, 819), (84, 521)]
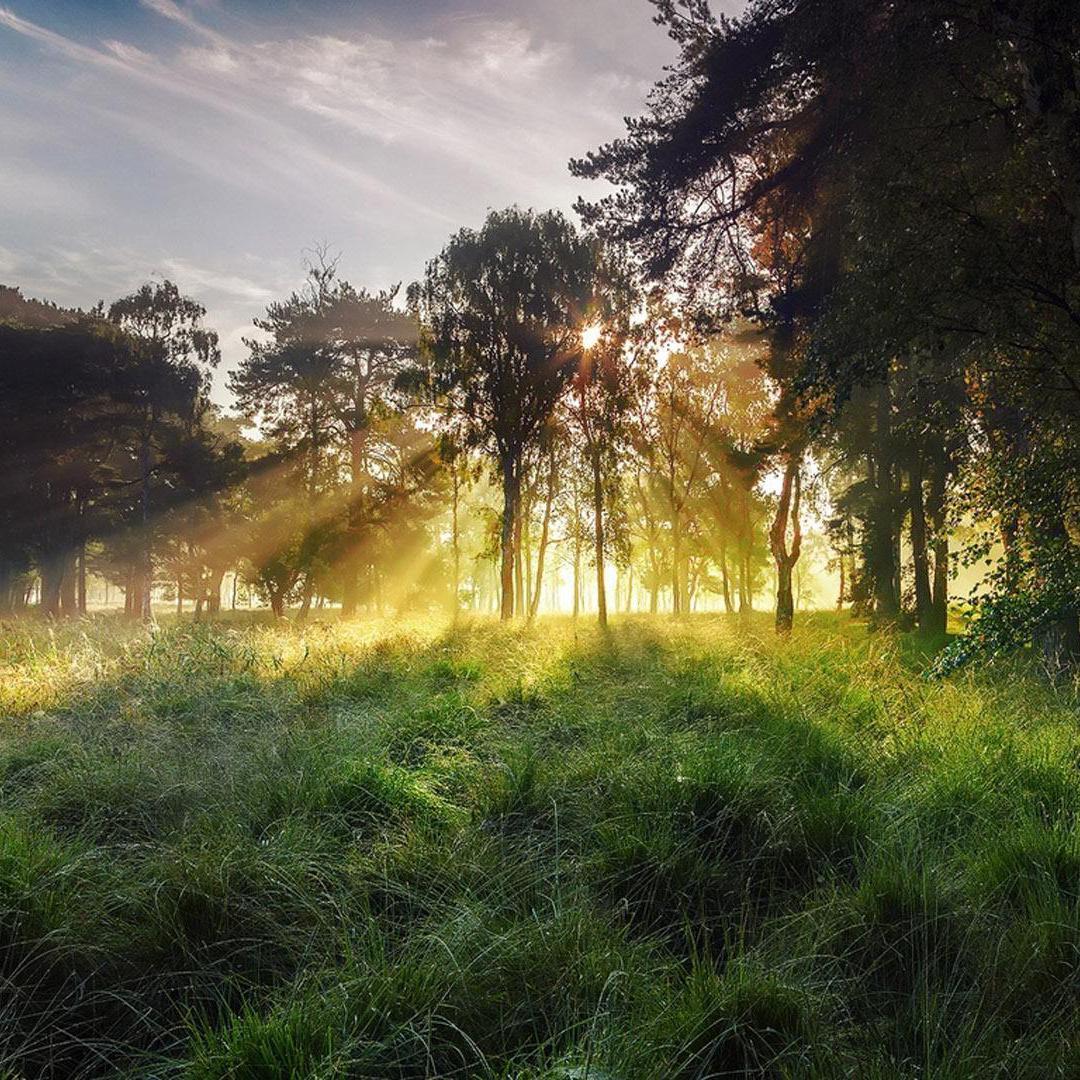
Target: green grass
[(679, 850)]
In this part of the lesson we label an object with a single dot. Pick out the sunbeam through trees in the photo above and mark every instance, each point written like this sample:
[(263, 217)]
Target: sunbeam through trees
[(610, 617)]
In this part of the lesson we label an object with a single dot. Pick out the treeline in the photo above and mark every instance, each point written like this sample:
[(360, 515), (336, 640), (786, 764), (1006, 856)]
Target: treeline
[(841, 266), (106, 433), (518, 424)]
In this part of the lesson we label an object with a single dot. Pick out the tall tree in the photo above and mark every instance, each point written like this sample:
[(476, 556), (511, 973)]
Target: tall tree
[(175, 353), (602, 390), (503, 309)]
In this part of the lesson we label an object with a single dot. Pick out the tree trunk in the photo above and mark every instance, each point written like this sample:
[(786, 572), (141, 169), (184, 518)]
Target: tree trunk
[(939, 596), (1059, 636), (598, 538), (920, 555), (52, 578), (526, 559), (145, 579), (881, 554), (785, 557), (746, 577), (455, 536), (68, 603), (213, 597), (519, 581), (544, 533), (1059, 642), (80, 592), (676, 563), (350, 598), (725, 584), (305, 602), (509, 478), (785, 601)]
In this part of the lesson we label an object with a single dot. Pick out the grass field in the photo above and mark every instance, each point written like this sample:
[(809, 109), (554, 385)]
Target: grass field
[(682, 850)]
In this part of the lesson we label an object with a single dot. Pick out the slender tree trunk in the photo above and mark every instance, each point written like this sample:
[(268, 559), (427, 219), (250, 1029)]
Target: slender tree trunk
[(939, 597), (81, 569), (577, 575), (519, 581), (350, 600), (306, 598), (526, 544), (509, 479), (1058, 638), (455, 535), (676, 562), (146, 575), (920, 555), (52, 579), (882, 546), (746, 539), (1059, 641), (598, 538), (725, 584), (544, 533), (68, 603)]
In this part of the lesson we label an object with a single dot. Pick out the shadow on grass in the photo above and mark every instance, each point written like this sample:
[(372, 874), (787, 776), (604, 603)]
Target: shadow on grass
[(671, 849)]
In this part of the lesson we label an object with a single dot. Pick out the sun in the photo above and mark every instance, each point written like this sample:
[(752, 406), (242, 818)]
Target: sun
[(590, 336)]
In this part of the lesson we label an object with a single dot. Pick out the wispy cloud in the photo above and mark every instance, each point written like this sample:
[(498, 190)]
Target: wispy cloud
[(187, 141)]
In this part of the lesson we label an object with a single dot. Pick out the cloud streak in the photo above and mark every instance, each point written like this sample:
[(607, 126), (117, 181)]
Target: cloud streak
[(187, 141)]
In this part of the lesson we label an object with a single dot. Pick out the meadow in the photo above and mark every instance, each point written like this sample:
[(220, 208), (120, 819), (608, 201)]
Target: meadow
[(680, 849)]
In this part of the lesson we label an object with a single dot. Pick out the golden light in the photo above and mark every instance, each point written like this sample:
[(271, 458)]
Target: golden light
[(590, 336)]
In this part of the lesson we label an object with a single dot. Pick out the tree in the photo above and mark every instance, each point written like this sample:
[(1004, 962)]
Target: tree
[(786, 555), (502, 310), (175, 354), (601, 393), (287, 384), (60, 422), (778, 131), (374, 345), (322, 386)]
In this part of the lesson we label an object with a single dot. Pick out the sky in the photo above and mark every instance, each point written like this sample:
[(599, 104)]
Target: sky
[(218, 142)]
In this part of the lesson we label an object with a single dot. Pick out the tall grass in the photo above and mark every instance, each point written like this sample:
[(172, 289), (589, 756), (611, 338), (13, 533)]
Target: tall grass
[(676, 850)]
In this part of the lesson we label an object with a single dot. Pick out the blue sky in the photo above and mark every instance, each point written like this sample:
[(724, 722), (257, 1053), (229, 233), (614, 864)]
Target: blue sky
[(214, 141)]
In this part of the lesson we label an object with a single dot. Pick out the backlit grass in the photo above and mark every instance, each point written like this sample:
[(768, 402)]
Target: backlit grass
[(396, 850)]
